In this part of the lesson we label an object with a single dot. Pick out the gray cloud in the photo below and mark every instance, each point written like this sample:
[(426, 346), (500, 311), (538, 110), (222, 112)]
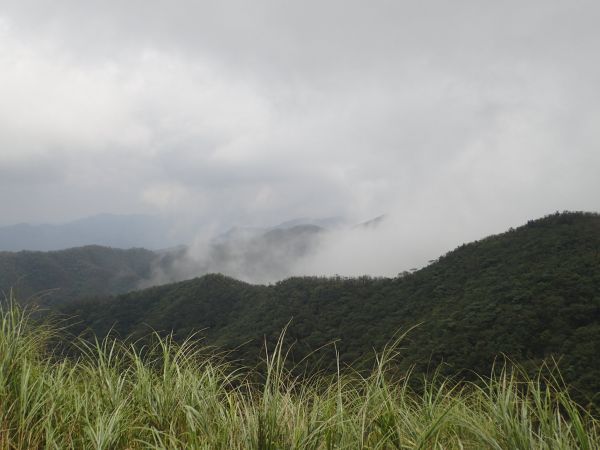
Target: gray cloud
[(456, 118)]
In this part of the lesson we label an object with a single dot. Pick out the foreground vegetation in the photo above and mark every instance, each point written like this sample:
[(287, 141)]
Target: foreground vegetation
[(167, 395), (532, 293)]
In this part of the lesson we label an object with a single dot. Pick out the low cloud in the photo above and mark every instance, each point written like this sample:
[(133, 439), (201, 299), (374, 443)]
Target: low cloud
[(456, 120)]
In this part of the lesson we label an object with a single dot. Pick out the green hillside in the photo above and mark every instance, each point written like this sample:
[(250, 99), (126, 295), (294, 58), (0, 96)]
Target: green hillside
[(530, 293), (52, 277), (182, 396), (57, 276)]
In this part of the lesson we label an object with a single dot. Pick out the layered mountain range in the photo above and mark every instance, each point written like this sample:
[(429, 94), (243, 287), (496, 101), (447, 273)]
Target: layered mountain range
[(94, 270), (531, 294)]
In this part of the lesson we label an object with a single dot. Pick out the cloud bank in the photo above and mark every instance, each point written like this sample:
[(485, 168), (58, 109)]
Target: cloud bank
[(458, 119)]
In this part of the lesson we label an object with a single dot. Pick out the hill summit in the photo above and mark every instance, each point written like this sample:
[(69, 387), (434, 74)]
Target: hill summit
[(531, 293)]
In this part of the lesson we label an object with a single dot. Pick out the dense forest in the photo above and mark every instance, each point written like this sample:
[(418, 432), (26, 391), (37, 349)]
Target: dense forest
[(532, 293), (57, 276), (53, 277), (114, 395)]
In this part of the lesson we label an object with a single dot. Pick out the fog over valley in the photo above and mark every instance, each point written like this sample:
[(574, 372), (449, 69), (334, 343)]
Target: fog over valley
[(140, 124), (299, 224)]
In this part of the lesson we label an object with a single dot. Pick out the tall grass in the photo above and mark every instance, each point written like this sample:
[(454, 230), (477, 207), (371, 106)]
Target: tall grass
[(170, 396)]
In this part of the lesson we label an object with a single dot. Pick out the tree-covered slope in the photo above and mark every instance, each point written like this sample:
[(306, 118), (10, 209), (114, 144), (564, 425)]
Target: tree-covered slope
[(96, 271), (530, 293), (57, 276)]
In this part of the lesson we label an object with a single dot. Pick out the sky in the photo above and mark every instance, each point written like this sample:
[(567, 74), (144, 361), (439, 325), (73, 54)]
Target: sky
[(456, 119)]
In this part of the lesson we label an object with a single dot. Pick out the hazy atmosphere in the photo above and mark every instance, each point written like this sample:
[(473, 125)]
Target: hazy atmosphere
[(277, 224), (455, 120)]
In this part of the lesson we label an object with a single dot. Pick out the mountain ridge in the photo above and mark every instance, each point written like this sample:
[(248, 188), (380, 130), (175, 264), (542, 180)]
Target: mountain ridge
[(531, 293), (108, 230)]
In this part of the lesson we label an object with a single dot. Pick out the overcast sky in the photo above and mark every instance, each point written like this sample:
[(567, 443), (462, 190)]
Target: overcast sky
[(459, 118)]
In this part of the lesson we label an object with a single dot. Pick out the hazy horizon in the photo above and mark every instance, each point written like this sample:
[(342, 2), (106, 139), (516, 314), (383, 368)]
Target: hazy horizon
[(456, 120)]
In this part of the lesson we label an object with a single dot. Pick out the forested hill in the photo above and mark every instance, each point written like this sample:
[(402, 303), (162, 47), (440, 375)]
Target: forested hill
[(530, 293), (49, 277), (57, 276)]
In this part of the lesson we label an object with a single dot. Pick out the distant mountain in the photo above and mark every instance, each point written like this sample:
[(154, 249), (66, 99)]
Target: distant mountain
[(254, 254), (251, 254), (373, 223), (329, 223), (530, 293), (90, 271), (268, 256), (121, 231), (130, 231)]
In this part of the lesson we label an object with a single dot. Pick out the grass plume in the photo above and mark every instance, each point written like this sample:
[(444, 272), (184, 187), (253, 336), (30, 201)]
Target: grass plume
[(167, 395)]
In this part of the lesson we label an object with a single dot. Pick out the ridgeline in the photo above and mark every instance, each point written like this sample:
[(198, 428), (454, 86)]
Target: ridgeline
[(58, 276), (532, 294)]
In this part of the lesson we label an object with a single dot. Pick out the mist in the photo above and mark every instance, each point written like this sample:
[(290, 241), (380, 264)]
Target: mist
[(385, 246), (454, 120)]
